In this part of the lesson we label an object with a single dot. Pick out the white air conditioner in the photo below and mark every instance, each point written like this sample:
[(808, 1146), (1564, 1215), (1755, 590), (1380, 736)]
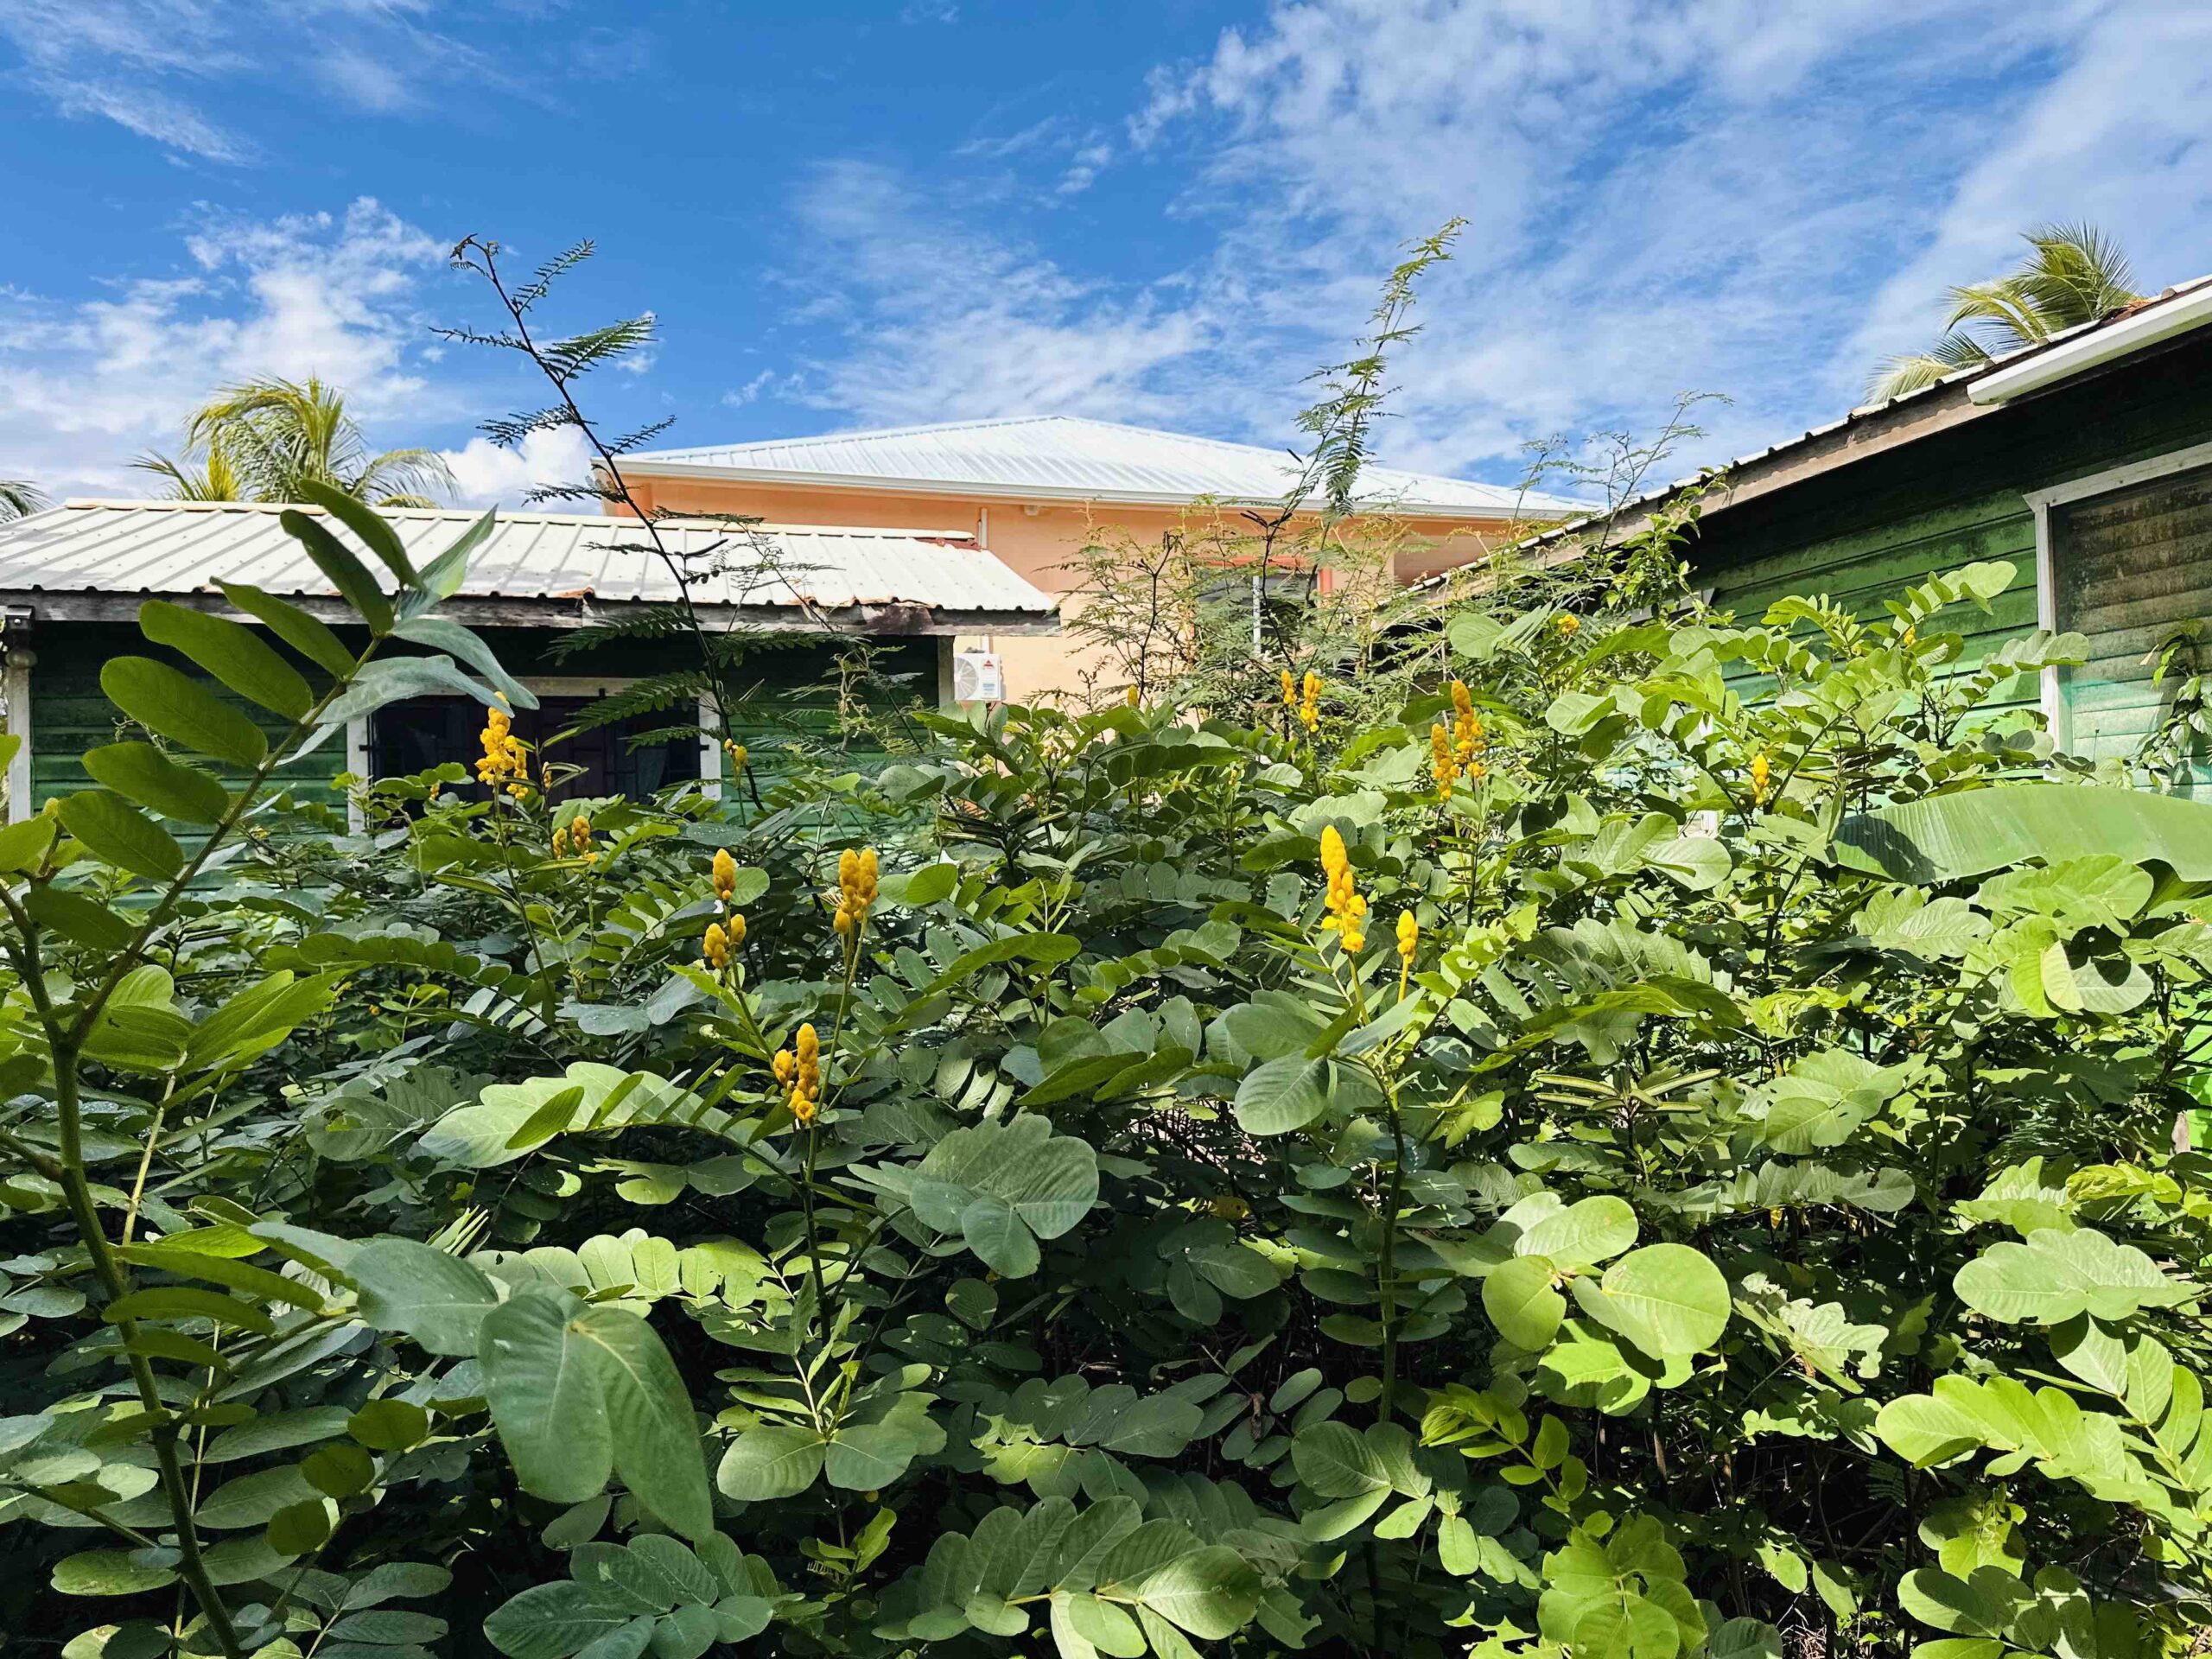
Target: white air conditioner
[(976, 677)]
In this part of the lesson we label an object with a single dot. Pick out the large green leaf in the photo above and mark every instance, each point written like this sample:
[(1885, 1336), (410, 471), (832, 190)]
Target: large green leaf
[(1004, 1185), (770, 1461), (1285, 1094), (550, 1621), (1582, 1235), (174, 705), (346, 573), (2060, 1273), (1677, 1291), (1970, 832), (656, 1438), (304, 633), (117, 833), (231, 651), (148, 776), (433, 1296), (541, 1382), (377, 535), (1519, 1298)]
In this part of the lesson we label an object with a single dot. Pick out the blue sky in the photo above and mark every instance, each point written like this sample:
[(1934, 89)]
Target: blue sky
[(1160, 211)]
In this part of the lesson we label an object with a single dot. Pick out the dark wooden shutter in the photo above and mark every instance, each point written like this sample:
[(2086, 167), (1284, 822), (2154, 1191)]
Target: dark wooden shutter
[(2131, 569)]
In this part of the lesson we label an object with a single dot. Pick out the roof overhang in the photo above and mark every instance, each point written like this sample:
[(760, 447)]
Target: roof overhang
[(2153, 326)]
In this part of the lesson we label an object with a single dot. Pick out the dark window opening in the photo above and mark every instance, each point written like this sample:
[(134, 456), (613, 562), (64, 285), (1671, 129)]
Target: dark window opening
[(424, 732)]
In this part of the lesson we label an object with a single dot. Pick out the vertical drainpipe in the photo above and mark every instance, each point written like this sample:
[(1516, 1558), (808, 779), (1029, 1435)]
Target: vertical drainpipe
[(983, 542)]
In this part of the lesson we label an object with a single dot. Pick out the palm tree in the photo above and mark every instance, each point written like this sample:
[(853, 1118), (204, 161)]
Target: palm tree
[(260, 440), (19, 498), (2073, 274)]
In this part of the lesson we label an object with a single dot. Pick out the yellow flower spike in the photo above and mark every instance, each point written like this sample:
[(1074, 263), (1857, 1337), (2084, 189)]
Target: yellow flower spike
[(717, 946), (1441, 761), (1347, 909), (1408, 934), (736, 932), (1132, 696), (1289, 690), (786, 1065), (1761, 771), (1569, 624), (725, 870), (843, 922), (560, 841), (1309, 706)]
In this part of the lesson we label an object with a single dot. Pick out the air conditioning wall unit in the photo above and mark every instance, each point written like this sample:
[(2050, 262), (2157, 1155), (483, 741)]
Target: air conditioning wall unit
[(978, 677)]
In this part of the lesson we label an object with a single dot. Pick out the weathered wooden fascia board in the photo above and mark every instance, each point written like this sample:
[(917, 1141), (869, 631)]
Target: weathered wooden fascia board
[(888, 620)]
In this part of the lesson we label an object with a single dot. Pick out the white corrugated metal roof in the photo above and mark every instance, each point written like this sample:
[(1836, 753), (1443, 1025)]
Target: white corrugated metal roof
[(179, 547), (1062, 457)]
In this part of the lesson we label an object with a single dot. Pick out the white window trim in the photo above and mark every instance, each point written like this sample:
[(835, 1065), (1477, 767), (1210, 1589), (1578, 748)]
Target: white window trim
[(21, 660), (2040, 502), (558, 685)]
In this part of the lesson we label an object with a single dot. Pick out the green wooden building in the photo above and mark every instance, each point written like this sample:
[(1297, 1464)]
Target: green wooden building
[(72, 579), (2086, 462)]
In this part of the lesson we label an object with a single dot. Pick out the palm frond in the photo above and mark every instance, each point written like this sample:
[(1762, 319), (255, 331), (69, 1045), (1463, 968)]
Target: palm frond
[(1899, 375), (19, 498), (2073, 274)]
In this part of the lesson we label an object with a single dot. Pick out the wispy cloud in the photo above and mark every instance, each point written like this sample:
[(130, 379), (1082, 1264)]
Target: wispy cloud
[(938, 316), (157, 67)]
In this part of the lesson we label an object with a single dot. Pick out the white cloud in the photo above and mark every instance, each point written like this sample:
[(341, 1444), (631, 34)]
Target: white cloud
[(486, 475), (945, 321), (1661, 193), (85, 386)]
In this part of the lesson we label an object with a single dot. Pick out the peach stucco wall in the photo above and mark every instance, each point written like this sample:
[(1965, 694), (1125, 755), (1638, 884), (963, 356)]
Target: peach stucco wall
[(1039, 540)]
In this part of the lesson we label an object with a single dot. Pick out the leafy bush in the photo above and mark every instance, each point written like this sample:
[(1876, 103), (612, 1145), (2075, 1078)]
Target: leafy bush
[(1664, 1144)]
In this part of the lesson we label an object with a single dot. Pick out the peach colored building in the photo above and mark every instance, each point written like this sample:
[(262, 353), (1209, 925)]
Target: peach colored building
[(1034, 491)]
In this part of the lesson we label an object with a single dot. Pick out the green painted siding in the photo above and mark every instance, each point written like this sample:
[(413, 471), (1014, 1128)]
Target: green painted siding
[(70, 714), (790, 697), (1862, 569), (1861, 532)]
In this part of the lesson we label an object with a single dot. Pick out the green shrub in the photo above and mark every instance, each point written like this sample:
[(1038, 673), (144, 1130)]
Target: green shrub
[(1665, 1145)]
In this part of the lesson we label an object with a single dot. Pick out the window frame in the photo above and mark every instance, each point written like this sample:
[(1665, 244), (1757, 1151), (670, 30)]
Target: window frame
[(360, 749), (2194, 458)]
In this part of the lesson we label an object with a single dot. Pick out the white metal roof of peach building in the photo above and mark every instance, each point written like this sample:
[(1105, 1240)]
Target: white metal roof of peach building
[(1067, 458), (180, 546)]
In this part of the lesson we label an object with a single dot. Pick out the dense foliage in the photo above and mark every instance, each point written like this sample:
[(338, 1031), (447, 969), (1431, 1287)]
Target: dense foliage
[(1664, 1143)]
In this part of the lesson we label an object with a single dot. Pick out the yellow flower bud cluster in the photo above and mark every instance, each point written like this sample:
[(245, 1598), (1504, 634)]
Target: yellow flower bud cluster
[(505, 756), (1468, 741), (798, 1069), (1762, 773), (736, 753), (1347, 917), (574, 837), (1289, 690), (1408, 935), (1309, 702), (855, 888), (723, 937)]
